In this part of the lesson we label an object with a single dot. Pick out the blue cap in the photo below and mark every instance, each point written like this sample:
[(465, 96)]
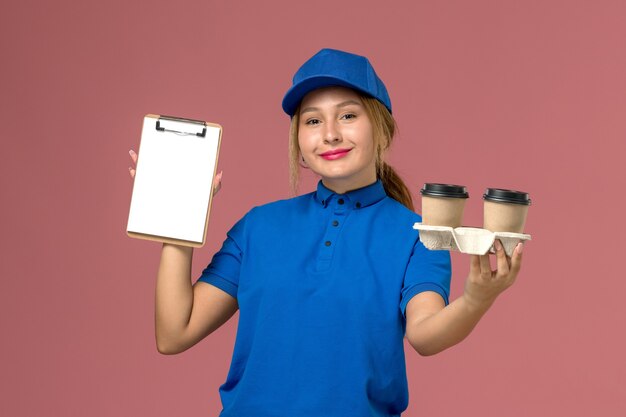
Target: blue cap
[(330, 67)]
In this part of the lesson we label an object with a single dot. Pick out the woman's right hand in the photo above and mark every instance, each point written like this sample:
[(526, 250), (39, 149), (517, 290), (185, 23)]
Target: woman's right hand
[(217, 181)]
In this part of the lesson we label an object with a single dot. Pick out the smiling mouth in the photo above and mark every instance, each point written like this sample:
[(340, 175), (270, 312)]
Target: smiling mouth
[(335, 154)]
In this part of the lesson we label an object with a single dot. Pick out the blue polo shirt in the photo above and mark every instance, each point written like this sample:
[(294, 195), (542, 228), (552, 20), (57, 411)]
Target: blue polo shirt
[(322, 281)]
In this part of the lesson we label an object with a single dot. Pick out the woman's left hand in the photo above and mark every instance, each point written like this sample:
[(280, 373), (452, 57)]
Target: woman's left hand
[(483, 284)]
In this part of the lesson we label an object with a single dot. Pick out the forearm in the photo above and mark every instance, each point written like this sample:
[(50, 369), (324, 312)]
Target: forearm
[(432, 328), (174, 293), (447, 327)]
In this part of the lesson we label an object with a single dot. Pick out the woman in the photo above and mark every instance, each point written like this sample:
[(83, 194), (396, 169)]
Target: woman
[(328, 283)]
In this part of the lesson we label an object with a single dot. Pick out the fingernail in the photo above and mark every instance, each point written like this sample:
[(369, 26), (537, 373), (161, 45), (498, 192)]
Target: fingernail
[(520, 247), (498, 245), (130, 152)]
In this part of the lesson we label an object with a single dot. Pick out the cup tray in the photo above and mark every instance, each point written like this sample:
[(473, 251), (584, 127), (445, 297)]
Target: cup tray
[(470, 240)]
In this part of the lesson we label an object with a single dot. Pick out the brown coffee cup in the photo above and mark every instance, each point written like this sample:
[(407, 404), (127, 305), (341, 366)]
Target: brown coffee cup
[(443, 204), (505, 210)]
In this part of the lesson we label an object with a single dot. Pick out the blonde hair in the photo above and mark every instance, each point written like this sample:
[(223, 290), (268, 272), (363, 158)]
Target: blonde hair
[(384, 127)]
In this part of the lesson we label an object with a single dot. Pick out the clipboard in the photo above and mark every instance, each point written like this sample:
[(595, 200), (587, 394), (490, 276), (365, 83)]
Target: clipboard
[(173, 187)]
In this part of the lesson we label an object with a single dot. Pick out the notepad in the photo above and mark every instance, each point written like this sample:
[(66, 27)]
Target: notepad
[(172, 191)]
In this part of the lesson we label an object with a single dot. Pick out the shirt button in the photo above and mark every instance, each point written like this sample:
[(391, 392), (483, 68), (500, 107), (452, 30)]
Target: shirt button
[(335, 223), (358, 205), (340, 201), (327, 243)]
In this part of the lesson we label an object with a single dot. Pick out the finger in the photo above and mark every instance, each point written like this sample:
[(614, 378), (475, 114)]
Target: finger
[(217, 183), (133, 156), (501, 259), (132, 172), (485, 265), (516, 259), (474, 264)]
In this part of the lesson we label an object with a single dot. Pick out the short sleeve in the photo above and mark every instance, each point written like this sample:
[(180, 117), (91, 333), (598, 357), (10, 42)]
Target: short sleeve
[(428, 270), (224, 269)]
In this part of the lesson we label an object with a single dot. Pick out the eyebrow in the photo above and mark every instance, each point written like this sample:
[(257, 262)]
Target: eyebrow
[(342, 104)]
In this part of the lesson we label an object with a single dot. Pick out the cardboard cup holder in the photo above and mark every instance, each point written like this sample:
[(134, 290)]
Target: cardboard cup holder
[(470, 240)]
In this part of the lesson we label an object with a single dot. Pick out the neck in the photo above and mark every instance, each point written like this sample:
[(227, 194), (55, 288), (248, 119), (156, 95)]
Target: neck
[(342, 187)]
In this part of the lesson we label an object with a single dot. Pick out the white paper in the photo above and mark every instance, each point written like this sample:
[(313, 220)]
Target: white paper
[(173, 181)]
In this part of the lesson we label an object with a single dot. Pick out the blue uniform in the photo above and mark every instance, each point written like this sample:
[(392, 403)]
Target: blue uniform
[(322, 281)]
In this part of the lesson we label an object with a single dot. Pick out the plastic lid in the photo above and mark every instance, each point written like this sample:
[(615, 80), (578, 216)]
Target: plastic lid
[(444, 190), (498, 195)]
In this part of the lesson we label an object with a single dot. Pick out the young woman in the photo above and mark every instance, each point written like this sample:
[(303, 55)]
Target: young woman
[(329, 283)]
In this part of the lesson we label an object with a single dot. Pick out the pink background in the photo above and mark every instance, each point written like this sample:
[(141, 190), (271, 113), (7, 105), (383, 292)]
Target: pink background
[(526, 95)]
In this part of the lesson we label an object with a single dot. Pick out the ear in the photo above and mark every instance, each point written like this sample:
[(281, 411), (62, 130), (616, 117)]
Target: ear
[(384, 143), (302, 162)]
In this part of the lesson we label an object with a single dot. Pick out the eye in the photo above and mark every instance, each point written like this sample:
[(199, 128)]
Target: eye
[(312, 122), (348, 116)]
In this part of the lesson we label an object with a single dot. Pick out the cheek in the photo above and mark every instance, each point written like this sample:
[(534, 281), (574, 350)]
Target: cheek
[(306, 142), (367, 141), (301, 144), (363, 133)]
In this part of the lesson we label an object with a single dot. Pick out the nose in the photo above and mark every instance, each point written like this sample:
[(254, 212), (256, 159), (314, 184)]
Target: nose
[(331, 133)]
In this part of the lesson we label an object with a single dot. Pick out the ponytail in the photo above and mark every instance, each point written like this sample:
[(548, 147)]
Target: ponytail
[(394, 186)]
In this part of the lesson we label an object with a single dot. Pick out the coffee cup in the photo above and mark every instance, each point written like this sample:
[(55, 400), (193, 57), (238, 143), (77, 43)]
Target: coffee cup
[(505, 210), (443, 204)]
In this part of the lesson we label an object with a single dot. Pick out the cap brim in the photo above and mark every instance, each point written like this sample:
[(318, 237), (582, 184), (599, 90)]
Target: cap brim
[(297, 92)]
